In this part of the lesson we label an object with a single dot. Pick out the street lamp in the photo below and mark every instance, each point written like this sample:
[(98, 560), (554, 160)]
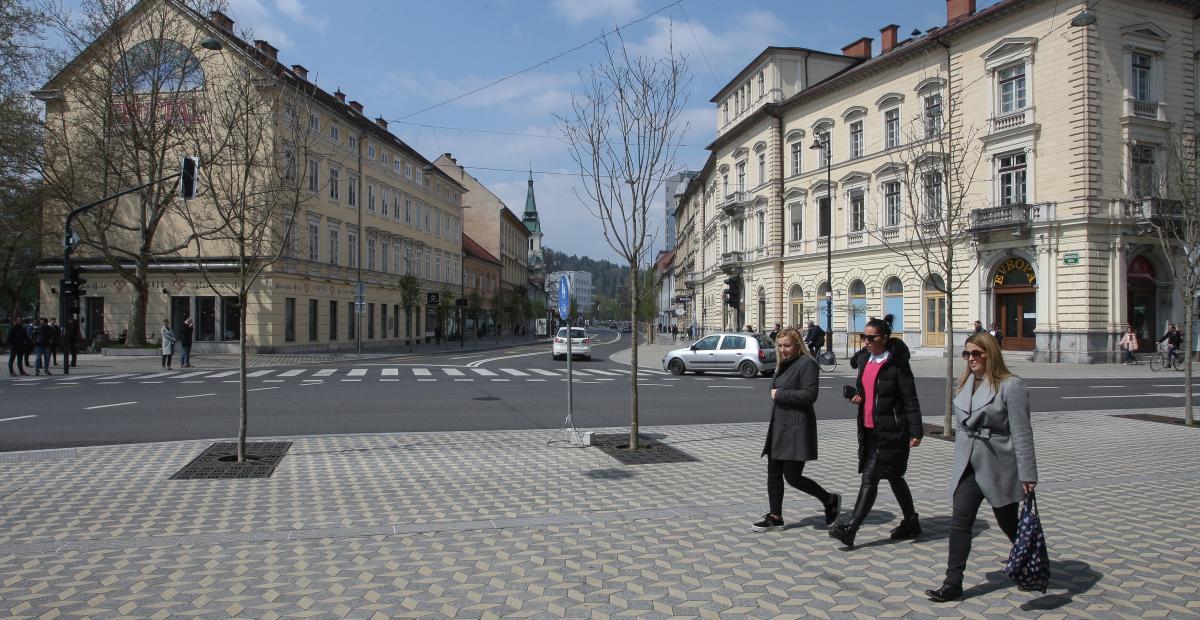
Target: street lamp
[(822, 144)]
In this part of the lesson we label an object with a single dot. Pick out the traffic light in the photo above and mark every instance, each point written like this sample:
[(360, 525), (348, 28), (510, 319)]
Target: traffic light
[(72, 284), (189, 173), (69, 289), (77, 278), (733, 294)]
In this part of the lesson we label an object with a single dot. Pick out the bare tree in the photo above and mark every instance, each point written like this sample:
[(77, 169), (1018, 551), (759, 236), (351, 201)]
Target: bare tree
[(120, 122), (623, 132), (252, 147), (931, 227), (1175, 220)]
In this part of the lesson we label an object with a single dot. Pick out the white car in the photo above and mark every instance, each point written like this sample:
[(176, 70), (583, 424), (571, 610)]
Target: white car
[(581, 344)]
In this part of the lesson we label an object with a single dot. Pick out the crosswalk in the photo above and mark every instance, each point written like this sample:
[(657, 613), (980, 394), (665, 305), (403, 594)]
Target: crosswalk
[(320, 375)]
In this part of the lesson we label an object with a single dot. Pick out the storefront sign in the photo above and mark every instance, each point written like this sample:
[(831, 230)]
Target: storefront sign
[(1071, 258), (1018, 265)]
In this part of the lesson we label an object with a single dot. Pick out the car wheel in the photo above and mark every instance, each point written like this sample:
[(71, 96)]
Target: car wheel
[(748, 369), (676, 366)]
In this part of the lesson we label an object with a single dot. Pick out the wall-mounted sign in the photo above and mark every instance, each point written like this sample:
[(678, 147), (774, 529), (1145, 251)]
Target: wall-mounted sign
[(1071, 258), (1015, 272)]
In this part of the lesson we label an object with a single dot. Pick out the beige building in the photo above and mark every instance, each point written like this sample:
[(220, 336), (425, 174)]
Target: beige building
[(1052, 138), (373, 210)]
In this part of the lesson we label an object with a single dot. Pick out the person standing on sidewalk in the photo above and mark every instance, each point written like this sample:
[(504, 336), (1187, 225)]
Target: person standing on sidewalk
[(55, 338), (42, 335), (185, 344), (17, 341), (74, 338), (167, 344), (792, 433), (993, 453), (1128, 344), (889, 425)]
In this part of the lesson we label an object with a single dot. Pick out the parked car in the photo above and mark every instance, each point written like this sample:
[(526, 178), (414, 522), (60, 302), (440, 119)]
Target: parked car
[(581, 344), (746, 354)]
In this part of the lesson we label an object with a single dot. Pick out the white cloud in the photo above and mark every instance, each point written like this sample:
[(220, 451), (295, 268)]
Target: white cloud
[(256, 19), (299, 13), (612, 11), (726, 52), (530, 94)]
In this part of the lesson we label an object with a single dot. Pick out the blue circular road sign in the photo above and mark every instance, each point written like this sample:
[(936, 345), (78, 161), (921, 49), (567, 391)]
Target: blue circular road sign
[(564, 297)]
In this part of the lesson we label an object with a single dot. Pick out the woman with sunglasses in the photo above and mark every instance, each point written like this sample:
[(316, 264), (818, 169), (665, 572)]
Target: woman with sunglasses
[(792, 434), (889, 424), (993, 453)]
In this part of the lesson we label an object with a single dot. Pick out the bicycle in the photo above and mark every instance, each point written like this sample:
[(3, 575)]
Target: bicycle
[(827, 361), (1160, 360)]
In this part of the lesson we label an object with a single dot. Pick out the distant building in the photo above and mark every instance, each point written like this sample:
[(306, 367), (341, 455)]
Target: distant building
[(581, 289), (673, 190)]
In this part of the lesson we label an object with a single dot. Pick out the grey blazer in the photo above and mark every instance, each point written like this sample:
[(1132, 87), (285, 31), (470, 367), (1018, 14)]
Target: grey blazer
[(1005, 459)]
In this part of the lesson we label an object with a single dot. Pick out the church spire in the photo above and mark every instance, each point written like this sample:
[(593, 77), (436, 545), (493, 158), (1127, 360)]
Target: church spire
[(531, 215)]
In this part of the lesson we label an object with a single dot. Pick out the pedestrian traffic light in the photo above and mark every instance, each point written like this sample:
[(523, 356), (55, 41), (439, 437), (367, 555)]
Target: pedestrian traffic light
[(77, 278), (733, 294), (69, 289), (189, 172)]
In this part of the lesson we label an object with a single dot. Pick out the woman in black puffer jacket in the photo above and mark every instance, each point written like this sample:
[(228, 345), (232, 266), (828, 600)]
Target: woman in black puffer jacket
[(889, 424)]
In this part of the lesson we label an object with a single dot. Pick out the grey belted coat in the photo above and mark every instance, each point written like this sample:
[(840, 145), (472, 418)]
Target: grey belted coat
[(994, 435)]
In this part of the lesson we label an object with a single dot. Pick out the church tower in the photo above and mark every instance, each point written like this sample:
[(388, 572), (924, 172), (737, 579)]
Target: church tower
[(530, 218)]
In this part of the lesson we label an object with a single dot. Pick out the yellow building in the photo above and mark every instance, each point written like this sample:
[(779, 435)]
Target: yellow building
[(371, 208), (1056, 136)]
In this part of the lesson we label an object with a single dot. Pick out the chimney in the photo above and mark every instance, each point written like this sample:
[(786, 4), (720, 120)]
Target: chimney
[(889, 38), (959, 9), (859, 49), (451, 158), (221, 20), (356, 106), (381, 121), (341, 97), (266, 49), (300, 71)]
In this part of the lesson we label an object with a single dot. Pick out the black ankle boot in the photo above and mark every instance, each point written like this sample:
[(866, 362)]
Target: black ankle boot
[(945, 594), (844, 533), (909, 529)]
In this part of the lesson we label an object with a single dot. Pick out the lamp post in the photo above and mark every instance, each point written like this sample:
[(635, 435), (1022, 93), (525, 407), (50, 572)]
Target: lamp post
[(822, 144)]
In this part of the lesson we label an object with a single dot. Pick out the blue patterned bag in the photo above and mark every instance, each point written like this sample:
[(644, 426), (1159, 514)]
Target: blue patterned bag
[(1029, 561)]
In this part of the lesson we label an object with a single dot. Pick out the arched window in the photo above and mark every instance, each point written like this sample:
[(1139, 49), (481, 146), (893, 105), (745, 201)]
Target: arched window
[(823, 301), (858, 305), (893, 302), (796, 307), (158, 65)]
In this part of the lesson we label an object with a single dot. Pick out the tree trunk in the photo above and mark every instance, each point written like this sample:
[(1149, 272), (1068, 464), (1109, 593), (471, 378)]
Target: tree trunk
[(948, 418), (135, 332), (243, 412), (633, 359), (1189, 416)]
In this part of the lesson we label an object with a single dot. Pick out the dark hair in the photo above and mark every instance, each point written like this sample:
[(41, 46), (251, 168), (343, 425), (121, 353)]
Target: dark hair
[(881, 325), (890, 320)]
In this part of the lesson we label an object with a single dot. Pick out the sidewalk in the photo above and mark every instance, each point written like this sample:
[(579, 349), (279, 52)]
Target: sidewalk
[(93, 363), (489, 524)]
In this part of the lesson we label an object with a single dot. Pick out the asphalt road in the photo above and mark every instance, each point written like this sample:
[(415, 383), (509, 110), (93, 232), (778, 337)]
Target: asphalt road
[(516, 388)]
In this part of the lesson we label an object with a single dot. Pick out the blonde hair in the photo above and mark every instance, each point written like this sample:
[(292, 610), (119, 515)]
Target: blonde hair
[(994, 370), (794, 334)]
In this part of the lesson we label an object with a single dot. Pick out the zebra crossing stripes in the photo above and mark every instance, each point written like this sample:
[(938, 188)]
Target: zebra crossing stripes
[(542, 371), (391, 372), (421, 372), (485, 372), (259, 373), (292, 373), (357, 372), (324, 372), (453, 372), (514, 372), (227, 373)]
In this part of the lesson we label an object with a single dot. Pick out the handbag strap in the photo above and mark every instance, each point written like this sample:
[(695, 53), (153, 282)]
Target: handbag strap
[(1031, 503)]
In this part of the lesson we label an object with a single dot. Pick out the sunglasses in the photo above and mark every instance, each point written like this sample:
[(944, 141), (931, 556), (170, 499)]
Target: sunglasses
[(976, 354), (869, 337)]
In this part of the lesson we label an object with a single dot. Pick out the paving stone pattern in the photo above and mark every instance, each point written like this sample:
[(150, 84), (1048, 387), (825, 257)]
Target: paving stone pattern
[(489, 524)]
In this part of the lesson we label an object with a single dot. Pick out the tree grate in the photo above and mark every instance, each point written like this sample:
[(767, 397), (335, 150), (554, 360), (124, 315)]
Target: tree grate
[(935, 431), (218, 461), (1151, 417), (650, 450)]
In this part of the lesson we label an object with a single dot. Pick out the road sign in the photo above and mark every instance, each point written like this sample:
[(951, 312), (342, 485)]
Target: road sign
[(564, 297), (432, 299), (1071, 258)]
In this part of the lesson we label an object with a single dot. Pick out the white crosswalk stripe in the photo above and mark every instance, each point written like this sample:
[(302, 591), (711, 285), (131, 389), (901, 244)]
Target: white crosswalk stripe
[(485, 372), (391, 372), (227, 373), (259, 373), (603, 372), (293, 373), (356, 372), (421, 372), (542, 371), (453, 372), (324, 372), (514, 372), (188, 375)]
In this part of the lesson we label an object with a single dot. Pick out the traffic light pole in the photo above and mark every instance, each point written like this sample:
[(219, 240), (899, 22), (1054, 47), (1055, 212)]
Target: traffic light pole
[(69, 242)]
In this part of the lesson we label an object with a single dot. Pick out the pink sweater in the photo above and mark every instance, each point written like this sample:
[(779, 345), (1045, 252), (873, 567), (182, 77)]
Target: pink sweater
[(869, 375)]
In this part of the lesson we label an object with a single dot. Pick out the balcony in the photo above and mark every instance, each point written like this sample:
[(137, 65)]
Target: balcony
[(1012, 120), (1151, 110), (1004, 216), (693, 279), (736, 202), (857, 237), (731, 262), (1154, 210)]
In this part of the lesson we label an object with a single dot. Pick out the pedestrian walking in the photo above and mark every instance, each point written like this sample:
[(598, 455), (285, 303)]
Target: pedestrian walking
[(16, 339), (1128, 344), (185, 343), (42, 335), (993, 453), (995, 332), (815, 339), (167, 344), (978, 327), (56, 333), (775, 332), (674, 333), (889, 425), (749, 329), (792, 433)]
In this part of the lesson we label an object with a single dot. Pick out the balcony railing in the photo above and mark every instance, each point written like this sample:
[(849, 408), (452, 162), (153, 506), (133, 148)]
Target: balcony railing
[(1004, 216), (1144, 109), (731, 261), (735, 202), (856, 238), (1154, 210), (693, 279), (1012, 120)]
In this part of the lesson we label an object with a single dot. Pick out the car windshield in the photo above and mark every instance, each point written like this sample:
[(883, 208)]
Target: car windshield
[(575, 333)]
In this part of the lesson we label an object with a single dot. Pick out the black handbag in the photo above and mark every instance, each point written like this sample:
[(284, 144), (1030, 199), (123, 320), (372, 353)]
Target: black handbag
[(1028, 563)]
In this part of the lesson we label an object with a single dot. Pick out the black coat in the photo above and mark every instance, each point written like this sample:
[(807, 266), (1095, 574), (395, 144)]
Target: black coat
[(185, 335), (18, 339), (897, 411), (792, 435)]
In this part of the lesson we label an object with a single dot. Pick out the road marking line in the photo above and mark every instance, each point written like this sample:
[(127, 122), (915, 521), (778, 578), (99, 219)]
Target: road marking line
[(730, 387), (68, 383), (1096, 387), (197, 395), (665, 385), (543, 371), (188, 375), (541, 380), (232, 381), (276, 387), (151, 381), (453, 372), (357, 372), (501, 380), (352, 380), (1168, 385), (308, 384), (1042, 387), (391, 372), (1160, 394), (485, 372), (259, 373), (132, 402), (191, 382), (582, 373), (426, 379), (157, 374), (390, 380), (325, 372), (514, 372), (464, 379), (272, 380), (313, 380), (421, 372), (293, 373), (20, 417), (109, 382), (218, 375), (604, 372)]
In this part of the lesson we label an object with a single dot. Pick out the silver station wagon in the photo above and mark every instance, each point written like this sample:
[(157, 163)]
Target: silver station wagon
[(746, 354)]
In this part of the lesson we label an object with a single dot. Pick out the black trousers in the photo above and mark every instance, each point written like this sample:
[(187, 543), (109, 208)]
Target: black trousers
[(16, 354), (777, 470), (967, 498), (869, 487)]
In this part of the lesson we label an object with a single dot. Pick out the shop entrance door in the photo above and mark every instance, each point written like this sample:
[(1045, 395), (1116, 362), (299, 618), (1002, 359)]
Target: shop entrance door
[(1016, 313)]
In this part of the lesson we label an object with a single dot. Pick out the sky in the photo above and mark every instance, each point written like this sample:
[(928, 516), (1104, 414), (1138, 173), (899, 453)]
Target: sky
[(402, 58)]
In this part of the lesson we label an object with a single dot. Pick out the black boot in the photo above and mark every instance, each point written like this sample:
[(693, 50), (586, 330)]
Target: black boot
[(844, 532), (909, 529), (945, 594)]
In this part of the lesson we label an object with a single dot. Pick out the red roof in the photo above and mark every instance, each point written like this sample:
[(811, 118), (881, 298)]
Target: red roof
[(474, 250)]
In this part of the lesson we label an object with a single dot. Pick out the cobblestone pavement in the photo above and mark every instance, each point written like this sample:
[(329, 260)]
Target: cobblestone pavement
[(489, 524)]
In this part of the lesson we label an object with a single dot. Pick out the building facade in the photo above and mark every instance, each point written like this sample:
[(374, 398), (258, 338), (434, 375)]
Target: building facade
[(1007, 164), (481, 282), (581, 290), (371, 209)]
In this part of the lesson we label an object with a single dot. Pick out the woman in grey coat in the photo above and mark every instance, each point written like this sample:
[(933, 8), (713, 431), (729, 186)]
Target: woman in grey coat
[(792, 434), (993, 453), (168, 343)]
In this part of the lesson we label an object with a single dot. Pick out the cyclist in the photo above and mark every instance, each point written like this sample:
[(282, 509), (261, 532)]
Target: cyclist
[(1174, 338)]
